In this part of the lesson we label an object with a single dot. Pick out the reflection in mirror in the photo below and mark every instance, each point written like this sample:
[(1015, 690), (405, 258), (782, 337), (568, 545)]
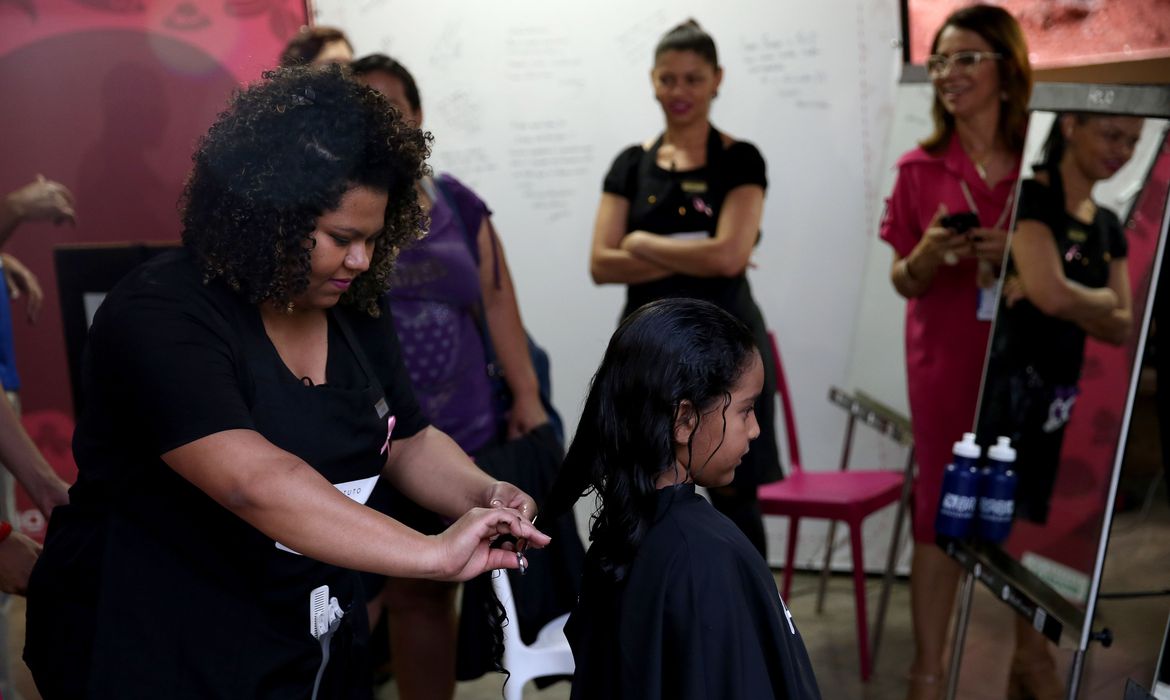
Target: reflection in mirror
[(1065, 334)]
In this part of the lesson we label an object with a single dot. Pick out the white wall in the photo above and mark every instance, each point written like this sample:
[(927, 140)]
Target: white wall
[(530, 101)]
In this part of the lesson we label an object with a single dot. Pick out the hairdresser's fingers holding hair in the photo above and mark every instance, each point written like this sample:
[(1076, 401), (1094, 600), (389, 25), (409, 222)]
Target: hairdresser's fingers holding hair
[(505, 495), (465, 551)]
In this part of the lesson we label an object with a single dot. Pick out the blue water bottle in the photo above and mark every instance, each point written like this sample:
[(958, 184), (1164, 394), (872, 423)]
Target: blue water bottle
[(997, 496), (960, 490)]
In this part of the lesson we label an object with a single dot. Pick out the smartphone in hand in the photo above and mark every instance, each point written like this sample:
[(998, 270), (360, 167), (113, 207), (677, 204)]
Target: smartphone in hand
[(960, 222)]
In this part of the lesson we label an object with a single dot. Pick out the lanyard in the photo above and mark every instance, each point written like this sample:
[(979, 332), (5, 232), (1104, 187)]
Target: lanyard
[(1003, 213)]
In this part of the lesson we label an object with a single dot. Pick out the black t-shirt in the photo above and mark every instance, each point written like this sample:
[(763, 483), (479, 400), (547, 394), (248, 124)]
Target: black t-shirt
[(166, 363), (668, 202), (1026, 337), (698, 616)]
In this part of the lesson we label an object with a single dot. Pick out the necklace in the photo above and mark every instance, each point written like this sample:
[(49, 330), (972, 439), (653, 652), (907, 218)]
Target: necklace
[(981, 169), (980, 157)]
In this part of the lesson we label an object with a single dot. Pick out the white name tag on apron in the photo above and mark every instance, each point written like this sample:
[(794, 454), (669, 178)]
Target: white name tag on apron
[(690, 235), (358, 490)]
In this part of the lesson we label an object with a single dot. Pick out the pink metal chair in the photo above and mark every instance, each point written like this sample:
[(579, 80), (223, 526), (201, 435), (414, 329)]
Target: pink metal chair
[(842, 495)]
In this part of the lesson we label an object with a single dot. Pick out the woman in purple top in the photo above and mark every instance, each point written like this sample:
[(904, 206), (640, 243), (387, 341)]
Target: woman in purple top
[(438, 287)]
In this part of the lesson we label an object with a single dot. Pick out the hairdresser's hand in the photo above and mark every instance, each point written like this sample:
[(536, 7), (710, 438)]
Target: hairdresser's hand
[(526, 415), (990, 244), (43, 199), (18, 553), (464, 550), (505, 495), (22, 281)]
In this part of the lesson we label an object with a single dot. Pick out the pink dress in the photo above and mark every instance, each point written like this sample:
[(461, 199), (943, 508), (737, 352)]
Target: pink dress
[(945, 341)]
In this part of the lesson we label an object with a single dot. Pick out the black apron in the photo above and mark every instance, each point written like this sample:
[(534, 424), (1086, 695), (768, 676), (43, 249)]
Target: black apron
[(166, 594), (666, 203)]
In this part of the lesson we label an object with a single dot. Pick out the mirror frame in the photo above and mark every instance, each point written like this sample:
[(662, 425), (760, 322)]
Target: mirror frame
[(1019, 588)]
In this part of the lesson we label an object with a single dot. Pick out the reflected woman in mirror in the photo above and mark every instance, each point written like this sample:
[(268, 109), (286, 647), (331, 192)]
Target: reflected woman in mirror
[(945, 266), (1067, 279), (679, 217)]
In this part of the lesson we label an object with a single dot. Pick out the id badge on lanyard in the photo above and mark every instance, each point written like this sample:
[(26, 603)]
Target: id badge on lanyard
[(989, 284)]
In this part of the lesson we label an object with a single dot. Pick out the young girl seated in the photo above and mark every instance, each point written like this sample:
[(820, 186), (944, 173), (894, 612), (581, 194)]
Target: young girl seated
[(676, 603)]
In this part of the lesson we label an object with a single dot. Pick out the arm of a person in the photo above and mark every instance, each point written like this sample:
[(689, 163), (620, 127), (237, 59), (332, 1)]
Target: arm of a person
[(22, 281), (913, 274), (430, 469), (24, 460), (1115, 327), (18, 554), (725, 255), (608, 262), (291, 502), (507, 333), (40, 199), (1038, 264)]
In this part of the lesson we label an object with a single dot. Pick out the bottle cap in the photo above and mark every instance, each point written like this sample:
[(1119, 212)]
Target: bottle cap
[(1002, 450), (967, 447)]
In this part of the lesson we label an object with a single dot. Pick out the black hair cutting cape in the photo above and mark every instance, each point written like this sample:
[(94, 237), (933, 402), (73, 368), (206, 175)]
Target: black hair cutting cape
[(698, 617)]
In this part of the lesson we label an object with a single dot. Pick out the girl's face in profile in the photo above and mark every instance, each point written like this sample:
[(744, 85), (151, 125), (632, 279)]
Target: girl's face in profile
[(725, 433)]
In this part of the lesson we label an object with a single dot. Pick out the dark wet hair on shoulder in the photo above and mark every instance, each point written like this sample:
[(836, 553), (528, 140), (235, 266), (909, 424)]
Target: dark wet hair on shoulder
[(381, 63), (688, 36), (665, 353), (283, 153), (308, 43)]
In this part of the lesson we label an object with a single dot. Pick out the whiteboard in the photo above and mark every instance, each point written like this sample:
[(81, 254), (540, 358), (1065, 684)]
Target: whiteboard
[(529, 102)]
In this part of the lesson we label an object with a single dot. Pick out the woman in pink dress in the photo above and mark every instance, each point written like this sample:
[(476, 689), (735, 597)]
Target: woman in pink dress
[(946, 269)]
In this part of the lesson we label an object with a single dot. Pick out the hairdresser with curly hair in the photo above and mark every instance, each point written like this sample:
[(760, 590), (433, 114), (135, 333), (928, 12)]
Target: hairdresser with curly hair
[(240, 398)]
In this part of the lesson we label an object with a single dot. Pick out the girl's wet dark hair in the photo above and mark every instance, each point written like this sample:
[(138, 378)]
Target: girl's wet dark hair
[(665, 353), (381, 63), (283, 153), (688, 36)]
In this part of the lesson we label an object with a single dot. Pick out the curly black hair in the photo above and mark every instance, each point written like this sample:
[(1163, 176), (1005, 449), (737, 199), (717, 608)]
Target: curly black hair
[(282, 154)]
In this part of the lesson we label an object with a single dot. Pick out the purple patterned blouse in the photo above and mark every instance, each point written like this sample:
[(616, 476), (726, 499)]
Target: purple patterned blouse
[(433, 294)]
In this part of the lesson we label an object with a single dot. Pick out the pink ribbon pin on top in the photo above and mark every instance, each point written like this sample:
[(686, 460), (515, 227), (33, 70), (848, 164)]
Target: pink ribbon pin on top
[(389, 430)]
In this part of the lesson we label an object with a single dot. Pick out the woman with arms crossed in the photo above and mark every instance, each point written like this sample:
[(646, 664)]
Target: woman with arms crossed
[(679, 218)]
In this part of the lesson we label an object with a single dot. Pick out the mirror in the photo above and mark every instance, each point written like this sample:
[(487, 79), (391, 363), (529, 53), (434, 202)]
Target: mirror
[(1059, 383), (1061, 378)]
